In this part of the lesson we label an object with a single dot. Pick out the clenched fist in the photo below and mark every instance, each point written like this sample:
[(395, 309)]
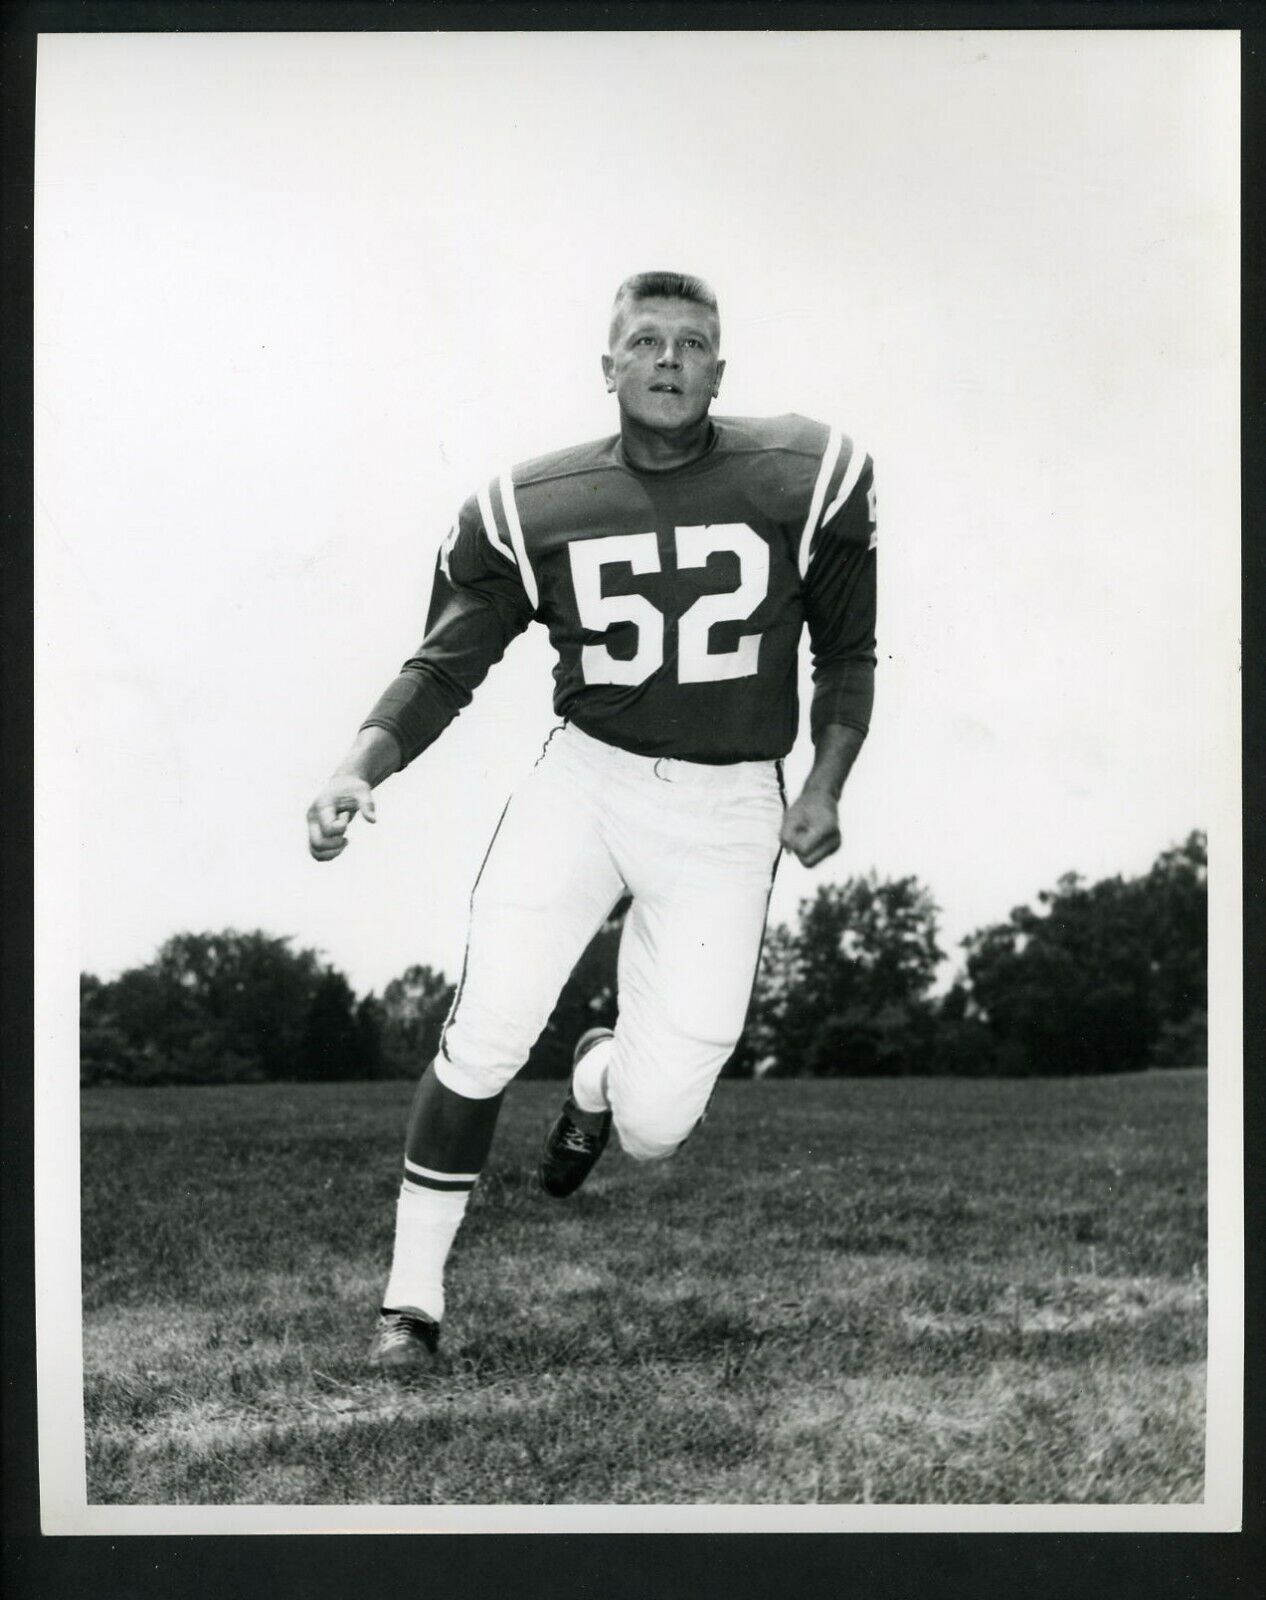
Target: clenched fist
[(811, 827)]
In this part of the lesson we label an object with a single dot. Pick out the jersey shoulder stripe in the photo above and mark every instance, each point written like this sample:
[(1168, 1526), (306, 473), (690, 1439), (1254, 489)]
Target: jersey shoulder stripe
[(855, 461), (830, 455), (495, 512), (849, 518), (505, 487), (799, 465), (789, 466), (491, 531)]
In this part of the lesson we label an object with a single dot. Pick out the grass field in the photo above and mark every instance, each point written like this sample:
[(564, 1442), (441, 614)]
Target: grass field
[(904, 1291)]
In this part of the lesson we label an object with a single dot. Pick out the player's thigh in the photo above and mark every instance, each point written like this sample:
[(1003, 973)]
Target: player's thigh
[(545, 887), (687, 966), (689, 952), (548, 850)]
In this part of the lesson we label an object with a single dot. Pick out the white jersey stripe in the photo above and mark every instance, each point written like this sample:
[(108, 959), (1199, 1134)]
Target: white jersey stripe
[(829, 457), (490, 523), (856, 462), (506, 483), (441, 1177)]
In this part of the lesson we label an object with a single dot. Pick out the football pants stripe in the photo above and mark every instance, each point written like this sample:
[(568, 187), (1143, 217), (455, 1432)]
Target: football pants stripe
[(857, 462), (414, 1170), (830, 456), (461, 982), (490, 524), (506, 485)]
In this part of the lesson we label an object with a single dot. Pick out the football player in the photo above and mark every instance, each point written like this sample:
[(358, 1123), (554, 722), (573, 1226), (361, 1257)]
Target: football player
[(675, 565)]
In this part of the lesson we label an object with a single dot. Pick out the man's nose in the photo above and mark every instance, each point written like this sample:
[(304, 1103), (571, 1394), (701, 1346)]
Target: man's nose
[(668, 356)]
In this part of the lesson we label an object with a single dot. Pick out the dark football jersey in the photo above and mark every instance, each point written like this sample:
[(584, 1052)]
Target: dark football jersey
[(674, 600)]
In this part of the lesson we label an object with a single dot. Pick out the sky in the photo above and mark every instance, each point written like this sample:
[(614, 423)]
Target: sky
[(298, 294)]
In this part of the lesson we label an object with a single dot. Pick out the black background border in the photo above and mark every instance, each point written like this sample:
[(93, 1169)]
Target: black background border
[(666, 1566)]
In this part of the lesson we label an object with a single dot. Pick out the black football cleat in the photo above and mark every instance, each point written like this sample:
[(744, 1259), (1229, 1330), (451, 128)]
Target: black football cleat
[(406, 1342), (571, 1150)]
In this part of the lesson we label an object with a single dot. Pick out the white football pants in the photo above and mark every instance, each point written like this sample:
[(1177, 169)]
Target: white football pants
[(695, 846)]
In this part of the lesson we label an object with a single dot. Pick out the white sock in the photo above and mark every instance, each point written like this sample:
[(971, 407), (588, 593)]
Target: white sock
[(427, 1221), (589, 1080)]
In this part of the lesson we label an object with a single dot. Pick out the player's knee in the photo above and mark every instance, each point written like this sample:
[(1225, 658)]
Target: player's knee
[(484, 1046), (471, 1078), (649, 1135), (642, 1149)]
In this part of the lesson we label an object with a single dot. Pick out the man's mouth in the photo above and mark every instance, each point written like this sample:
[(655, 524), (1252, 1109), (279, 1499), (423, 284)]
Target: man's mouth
[(665, 388)]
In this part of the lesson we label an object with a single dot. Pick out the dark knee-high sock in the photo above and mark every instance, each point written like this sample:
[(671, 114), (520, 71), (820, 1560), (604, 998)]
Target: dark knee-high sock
[(449, 1132), (446, 1144)]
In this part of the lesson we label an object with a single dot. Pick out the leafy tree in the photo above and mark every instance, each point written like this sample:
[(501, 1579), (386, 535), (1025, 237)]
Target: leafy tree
[(1103, 977), (960, 1044), (211, 1007), (1175, 903), (1068, 989), (106, 1054), (332, 1047), (1183, 1044), (227, 997), (369, 1037), (413, 1008), (845, 992), (890, 1041)]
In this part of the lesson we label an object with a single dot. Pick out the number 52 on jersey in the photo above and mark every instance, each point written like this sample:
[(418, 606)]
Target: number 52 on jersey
[(640, 551)]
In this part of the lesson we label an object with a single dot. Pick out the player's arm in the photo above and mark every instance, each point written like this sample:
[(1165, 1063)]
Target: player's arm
[(840, 597), (478, 606)]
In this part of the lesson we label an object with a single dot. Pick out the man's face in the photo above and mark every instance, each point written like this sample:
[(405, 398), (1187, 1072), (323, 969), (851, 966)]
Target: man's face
[(663, 364)]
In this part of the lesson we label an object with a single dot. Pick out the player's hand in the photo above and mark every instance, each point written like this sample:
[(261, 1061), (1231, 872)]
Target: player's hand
[(331, 813), (811, 828)]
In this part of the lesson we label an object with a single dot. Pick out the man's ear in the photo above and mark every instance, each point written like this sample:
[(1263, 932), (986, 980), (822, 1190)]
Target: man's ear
[(608, 372), (716, 382)]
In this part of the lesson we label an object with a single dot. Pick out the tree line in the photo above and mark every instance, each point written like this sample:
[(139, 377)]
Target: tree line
[(1097, 977)]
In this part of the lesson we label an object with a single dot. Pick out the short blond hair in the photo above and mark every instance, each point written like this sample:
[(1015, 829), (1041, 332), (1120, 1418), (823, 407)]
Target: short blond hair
[(660, 286)]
